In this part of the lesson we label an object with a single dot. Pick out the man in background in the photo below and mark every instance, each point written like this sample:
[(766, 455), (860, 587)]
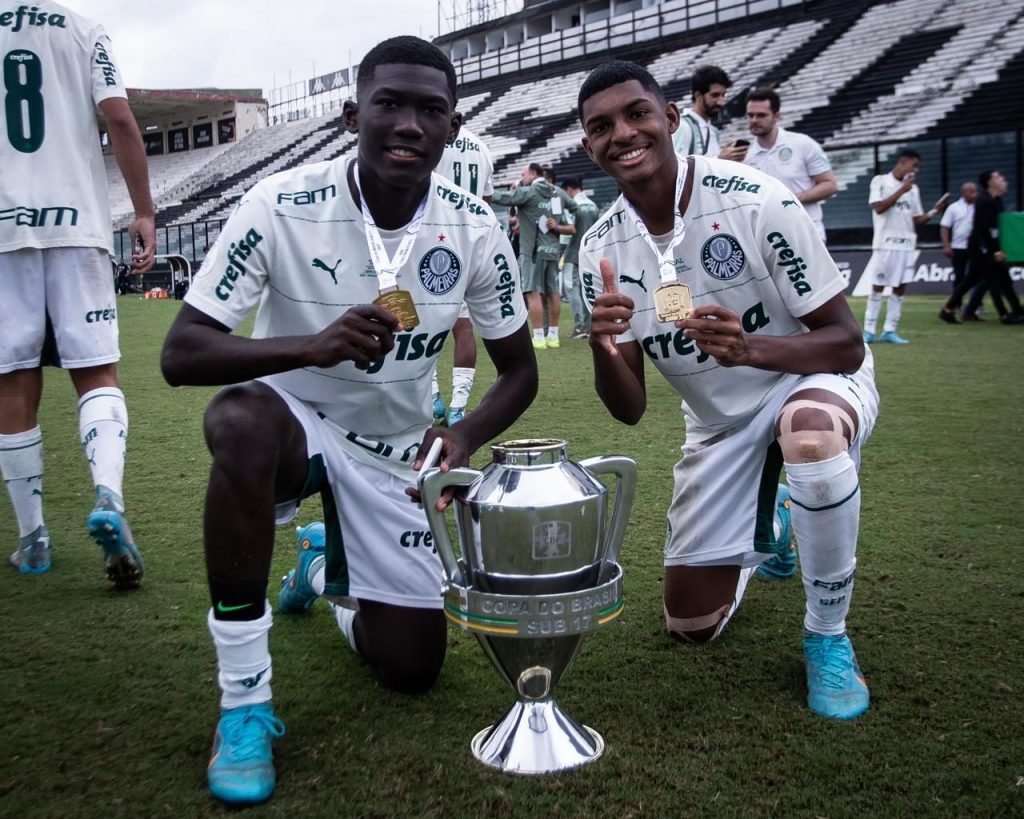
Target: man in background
[(794, 159), (584, 218), (955, 231), (696, 133), (55, 270)]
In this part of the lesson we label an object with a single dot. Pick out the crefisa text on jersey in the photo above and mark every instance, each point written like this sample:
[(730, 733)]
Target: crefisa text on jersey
[(105, 64), (30, 16), (238, 252), (506, 286)]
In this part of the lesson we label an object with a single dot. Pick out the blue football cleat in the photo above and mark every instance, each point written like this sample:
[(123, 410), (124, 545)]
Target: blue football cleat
[(455, 414), (782, 564), (297, 594), (869, 337), (109, 528), (241, 770), (835, 684), (890, 337), (33, 555), (439, 408)]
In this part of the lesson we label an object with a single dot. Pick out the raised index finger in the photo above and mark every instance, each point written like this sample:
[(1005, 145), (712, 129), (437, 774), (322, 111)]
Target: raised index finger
[(609, 284)]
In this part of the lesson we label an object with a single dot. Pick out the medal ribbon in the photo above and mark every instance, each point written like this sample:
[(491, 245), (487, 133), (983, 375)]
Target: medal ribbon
[(666, 263), (387, 267)]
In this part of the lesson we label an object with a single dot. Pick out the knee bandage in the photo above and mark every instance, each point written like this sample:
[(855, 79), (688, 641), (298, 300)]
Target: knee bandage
[(810, 445), (683, 627)]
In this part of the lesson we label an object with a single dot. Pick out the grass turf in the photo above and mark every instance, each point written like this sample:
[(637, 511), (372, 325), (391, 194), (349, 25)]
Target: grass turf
[(111, 698)]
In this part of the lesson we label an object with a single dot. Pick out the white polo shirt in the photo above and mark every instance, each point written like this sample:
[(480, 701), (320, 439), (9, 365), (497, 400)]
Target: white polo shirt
[(959, 218), (695, 135), (795, 159)]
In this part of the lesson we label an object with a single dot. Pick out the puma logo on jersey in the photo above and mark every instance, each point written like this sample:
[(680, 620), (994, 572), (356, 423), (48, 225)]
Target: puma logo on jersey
[(787, 202), (317, 263), (624, 279)]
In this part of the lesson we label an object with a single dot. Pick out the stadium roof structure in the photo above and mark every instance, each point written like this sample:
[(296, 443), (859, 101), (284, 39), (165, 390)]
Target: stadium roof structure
[(530, 10), (161, 105)]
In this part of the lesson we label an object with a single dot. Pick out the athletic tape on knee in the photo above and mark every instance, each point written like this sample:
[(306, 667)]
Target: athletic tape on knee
[(21, 455), (804, 445), (684, 626)]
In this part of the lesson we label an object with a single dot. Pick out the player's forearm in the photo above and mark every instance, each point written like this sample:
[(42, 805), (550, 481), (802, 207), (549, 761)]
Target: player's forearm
[(130, 154), (203, 356), (617, 385), (832, 349), (818, 192)]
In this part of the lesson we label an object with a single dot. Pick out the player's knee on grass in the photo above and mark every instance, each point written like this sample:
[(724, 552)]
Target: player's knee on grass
[(699, 601), (810, 431), (404, 646)]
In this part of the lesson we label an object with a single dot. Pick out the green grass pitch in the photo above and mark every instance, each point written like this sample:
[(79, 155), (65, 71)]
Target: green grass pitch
[(110, 699)]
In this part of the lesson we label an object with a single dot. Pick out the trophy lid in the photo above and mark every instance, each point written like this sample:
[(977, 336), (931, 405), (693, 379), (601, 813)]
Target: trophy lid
[(529, 452)]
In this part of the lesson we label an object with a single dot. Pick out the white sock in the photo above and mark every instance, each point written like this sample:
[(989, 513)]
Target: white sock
[(826, 519), (892, 315), (539, 334), (552, 332), (243, 659), (435, 388), (741, 588), (871, 312), (319, 578), (103, 426), (462, 385), (21, 464), (346, 622)]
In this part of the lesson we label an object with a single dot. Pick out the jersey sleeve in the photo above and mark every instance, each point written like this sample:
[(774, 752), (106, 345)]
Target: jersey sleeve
[(486, 171), (798, 262), (916, 201), (231, 280), (817, 160), (947, 218), (106, 78), (876, 192), (494, 296)]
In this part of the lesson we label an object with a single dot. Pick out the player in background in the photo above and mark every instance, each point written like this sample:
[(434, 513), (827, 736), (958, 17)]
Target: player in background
[(466, 162), (697, 135), (736, 302), (584, 218), (895, 214), (794, 159), (340, 404), (55, 249)]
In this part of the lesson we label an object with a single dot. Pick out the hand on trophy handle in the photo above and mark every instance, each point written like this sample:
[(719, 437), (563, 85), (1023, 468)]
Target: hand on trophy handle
[(444, 450)]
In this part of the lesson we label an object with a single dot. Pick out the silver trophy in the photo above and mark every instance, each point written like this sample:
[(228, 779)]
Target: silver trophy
[(537, 571)]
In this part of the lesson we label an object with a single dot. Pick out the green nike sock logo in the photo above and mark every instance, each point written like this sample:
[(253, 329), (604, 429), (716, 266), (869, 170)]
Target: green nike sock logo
[(221, 607)]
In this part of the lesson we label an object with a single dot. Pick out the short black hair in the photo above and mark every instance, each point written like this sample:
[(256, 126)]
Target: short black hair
[(908, 153), (407, 50), (550, 175), (707, 75), (572, 182), (765, 93), (612, 73), (536, 168), (984, 177)]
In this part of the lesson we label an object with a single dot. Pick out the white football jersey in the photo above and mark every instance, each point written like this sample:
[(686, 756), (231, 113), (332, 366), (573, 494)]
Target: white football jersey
[(894, 229), (296, 246), (467, 162), (57, 67), (749, 247), (794, 159), (959, 218)]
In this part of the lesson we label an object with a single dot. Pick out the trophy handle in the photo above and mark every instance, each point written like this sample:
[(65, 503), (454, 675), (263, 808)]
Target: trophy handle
[(624, 470), (432, 484)]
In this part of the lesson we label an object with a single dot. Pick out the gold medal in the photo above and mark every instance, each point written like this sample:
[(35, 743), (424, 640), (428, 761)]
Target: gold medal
[(400, 303), (672, 302)]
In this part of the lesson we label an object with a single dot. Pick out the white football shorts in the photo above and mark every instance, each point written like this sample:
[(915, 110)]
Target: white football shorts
[(891, 268), (73, 288), (379, 545), (723, 501)]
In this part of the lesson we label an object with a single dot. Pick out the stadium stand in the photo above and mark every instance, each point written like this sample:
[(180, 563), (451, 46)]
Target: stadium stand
[(862, 77)]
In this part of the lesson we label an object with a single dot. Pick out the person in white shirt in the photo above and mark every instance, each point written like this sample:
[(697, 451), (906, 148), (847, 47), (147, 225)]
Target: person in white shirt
[(356, 286), (732, 297), (696, 134), (895, 214), (955, 230), (795, 159), (55, 246), (467, 162)]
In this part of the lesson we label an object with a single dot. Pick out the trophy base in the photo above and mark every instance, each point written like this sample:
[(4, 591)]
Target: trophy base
[(537, 737)]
